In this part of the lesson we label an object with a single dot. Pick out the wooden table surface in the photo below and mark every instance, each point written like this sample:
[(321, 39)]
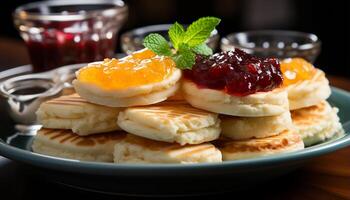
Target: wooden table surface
[(328, 176)]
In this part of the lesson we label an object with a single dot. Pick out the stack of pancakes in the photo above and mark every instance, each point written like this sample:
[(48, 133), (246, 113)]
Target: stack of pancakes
[(77, 129), (313, 117), (174, 121), (167, 132), (255, 125)]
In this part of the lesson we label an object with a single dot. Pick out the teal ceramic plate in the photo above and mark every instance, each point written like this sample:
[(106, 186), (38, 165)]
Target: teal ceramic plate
[(167, 179)]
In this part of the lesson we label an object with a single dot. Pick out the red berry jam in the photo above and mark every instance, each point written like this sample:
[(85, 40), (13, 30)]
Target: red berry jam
[(58, 47), (236, 72)]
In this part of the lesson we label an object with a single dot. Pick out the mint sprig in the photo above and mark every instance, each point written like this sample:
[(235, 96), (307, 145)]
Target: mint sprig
[(203, 49), (157, 44), (185, 57), (176, 33), (186, 42), (200, 30)]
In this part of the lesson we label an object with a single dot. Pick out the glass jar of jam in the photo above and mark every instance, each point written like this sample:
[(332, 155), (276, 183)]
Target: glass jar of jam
[(65, 32)]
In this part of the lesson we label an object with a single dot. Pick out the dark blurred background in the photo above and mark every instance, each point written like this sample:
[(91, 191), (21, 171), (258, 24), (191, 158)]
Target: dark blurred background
[(329, 20)]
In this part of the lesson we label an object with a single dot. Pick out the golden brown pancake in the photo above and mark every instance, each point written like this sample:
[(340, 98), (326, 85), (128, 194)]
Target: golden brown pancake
[(317, 123), (241, 128), (286, 141), (146, 94), (173, 121), (75, 113), (66, 144), (134, 149), (307, 93), (259, 104)]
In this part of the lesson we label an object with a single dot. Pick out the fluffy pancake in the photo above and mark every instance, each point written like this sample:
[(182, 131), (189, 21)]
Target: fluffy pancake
[(306, 93), (286, 141), (178, 96), (255, 105), (73, 112), (317, 123), (65, 144), (134, 149), (173, 121), (240, 128), (131, 96)]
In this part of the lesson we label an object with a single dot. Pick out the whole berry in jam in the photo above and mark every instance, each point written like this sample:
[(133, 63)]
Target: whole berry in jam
[(236, 73)]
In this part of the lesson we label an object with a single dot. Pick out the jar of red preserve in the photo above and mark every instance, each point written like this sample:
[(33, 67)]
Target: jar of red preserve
[(65, 32)]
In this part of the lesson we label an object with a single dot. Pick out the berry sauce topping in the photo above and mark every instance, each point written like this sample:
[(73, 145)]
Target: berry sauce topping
[(236, 72)]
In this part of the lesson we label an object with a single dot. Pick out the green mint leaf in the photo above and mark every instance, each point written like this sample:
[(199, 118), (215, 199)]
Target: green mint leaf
[(203, 49), (175, 33), (200, 30), (184, 58), (187, 43), (158, 44)]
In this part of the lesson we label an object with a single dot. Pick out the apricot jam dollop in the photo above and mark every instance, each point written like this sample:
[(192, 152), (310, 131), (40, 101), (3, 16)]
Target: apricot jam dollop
[(140, 68), (296, 69), (236, 73)]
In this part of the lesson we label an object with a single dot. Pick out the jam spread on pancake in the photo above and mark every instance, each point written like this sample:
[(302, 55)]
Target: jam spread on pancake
[(296, 69), (140, 68), (236, 72)]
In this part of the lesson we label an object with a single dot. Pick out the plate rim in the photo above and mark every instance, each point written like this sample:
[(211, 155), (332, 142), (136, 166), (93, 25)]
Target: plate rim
[(96, 168)]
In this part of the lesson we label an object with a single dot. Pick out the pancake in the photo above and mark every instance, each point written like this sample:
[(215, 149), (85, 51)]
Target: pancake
[(134, 149), (174, 121), (317, 123), (130, 96), (240, 128), (259, 104), (66, 144), (178, 96), (307, 93), (286, 141), (73, 112)]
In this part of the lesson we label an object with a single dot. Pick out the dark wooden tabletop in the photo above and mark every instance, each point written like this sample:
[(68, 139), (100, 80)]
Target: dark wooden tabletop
[(326, 177)]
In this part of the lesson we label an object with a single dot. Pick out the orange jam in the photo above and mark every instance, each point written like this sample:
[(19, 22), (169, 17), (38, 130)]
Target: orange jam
[(140, 68), (296, 69)]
